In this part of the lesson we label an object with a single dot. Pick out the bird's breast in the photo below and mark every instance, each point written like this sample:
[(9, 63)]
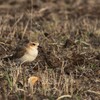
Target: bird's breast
[(29, 56)]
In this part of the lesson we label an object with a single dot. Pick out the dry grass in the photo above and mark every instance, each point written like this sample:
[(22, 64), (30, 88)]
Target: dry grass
[(68, 64)]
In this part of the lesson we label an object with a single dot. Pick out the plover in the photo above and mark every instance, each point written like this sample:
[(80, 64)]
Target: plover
[(27, 53)]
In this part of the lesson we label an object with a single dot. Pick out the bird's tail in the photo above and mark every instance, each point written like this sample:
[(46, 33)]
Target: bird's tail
[(8, 58)]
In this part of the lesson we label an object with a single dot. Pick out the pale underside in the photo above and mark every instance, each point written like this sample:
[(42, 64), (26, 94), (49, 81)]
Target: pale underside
[(29, 55)]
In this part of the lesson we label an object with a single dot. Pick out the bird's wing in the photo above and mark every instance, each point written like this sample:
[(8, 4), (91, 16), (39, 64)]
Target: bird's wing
[(20, 51)]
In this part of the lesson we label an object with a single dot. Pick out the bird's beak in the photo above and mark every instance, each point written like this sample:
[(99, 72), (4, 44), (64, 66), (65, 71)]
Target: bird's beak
[(39, 46)]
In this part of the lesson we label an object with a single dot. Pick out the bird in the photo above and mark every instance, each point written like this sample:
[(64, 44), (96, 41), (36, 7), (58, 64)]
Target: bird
[(26, 53)]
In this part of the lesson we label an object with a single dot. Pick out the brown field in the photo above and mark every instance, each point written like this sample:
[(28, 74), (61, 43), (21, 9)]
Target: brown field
[(68, 64)]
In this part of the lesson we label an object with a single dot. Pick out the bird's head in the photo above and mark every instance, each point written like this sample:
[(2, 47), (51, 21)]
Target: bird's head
[(33, 45)]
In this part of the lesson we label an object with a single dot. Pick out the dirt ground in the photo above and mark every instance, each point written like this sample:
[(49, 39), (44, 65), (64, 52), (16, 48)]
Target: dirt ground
[(68, 64)]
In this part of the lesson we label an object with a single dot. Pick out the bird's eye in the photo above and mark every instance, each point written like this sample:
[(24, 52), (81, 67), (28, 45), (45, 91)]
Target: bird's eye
[(33, 44)]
